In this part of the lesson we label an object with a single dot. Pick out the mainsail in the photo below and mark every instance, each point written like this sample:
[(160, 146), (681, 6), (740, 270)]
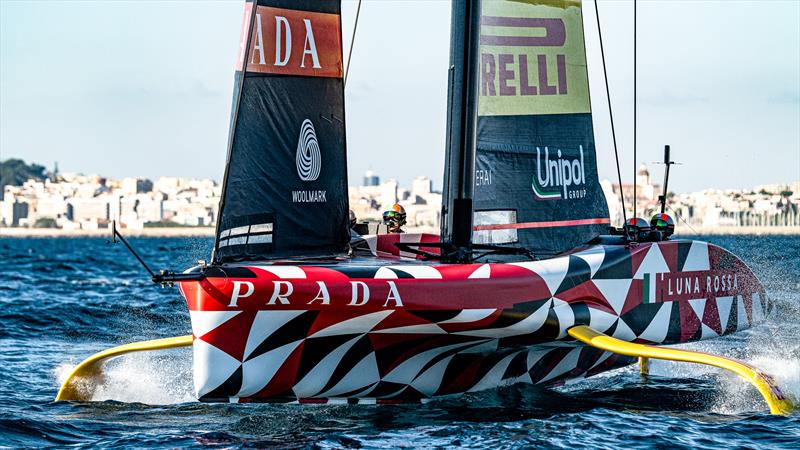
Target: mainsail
[(285, 186), (536, 181)]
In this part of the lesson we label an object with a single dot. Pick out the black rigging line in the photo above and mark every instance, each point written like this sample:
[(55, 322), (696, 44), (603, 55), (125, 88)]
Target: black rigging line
[(635, 180), (610, 114), (352, 44), (682, 219), (116, 234)]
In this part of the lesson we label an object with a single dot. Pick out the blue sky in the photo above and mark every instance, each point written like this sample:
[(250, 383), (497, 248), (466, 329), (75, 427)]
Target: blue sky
[(144, 88)]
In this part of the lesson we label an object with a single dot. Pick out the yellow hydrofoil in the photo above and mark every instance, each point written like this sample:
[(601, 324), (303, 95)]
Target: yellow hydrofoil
[(778, 402), (82, 382)]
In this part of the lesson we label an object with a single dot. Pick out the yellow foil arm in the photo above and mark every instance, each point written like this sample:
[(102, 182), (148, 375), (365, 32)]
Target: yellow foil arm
[(84, 379), (777, 401)]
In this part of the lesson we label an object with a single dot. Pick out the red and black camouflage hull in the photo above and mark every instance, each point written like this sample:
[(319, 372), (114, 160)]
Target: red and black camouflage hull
[(387, 330)]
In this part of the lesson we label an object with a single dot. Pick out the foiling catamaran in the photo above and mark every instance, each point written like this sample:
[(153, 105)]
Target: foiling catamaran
[(527, 283)]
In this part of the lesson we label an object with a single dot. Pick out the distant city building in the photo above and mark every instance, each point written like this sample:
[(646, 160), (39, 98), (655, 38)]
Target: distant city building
[(73, 201), (421, 186), (646, 195), (422, 204), (13, 209), (131, 186), (370, 179), (773, 205), (54, 177)]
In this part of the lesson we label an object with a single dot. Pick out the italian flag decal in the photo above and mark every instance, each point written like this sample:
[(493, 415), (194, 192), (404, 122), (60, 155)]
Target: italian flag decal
[(648, 289)]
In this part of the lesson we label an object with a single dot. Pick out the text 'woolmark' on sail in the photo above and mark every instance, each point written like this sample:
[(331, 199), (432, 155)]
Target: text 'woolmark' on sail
[(292, 42)]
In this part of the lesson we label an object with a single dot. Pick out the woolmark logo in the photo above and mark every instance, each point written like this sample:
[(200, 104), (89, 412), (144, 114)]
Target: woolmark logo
[(309, 160), (559, 178)]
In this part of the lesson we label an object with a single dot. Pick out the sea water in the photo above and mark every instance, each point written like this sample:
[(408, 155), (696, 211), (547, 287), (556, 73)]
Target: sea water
[(64, 299)]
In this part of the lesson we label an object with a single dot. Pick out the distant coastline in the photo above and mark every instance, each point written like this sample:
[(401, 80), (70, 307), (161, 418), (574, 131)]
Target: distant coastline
[(733, 231), (209, 232), (142, 232)]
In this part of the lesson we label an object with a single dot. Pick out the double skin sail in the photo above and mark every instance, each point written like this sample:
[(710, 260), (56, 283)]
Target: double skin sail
[(536, 182), (285, 186)]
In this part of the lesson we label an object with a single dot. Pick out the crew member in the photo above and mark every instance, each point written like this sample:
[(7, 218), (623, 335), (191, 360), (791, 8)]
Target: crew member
[(354, 235), (352, 219), (395, 218)]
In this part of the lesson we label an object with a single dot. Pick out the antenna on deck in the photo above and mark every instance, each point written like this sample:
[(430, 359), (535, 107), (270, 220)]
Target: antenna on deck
[(667, 162)]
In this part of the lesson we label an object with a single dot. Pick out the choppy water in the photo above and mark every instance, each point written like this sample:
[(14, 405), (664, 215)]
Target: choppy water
[(63, 299)]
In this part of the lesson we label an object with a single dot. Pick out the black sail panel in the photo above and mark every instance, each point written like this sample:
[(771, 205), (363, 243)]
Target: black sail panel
[(536, 180), (285, 188)]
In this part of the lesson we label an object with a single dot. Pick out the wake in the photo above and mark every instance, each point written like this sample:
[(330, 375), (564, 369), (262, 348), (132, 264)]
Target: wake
[(154, 378)]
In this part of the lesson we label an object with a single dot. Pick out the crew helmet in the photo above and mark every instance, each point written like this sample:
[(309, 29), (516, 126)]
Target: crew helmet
[(663, 223), (395, 217), (352, 219), (637, 229)]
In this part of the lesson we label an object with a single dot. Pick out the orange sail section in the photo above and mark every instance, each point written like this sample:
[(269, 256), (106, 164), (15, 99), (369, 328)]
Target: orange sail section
[(292, 42)]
